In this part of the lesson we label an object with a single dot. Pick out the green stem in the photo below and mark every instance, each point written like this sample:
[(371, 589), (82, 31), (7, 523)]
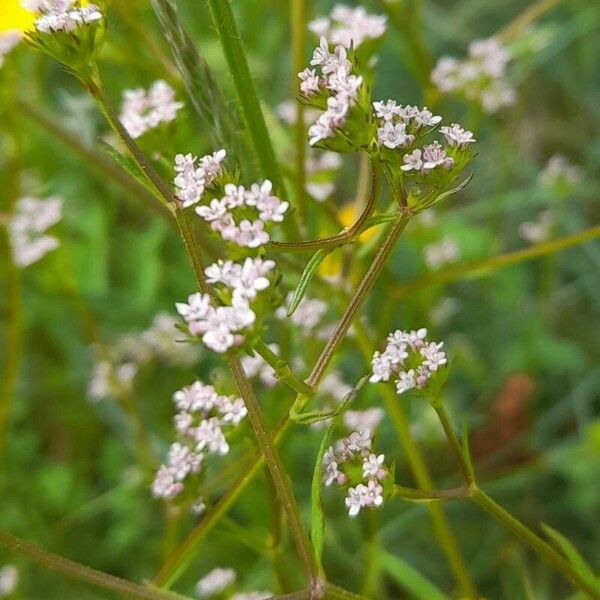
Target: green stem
[(172, 570), (540, 546), (283, 372), (298, 28), (444, 418), (276, 469), (498, 512), (235, 55), (83, 573), (420, 472), (487, 266), (407, 493), (524, 19), (345, 236)]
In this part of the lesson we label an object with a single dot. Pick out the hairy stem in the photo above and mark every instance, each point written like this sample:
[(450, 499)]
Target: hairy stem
[(345, 236), (298, 29), (84, 573), (235, 55)]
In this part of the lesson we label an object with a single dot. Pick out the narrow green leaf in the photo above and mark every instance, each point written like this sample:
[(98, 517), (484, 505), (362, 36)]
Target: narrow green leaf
[(131, 167), (457, 188), (309, 272), (572, 555), (410, 579)]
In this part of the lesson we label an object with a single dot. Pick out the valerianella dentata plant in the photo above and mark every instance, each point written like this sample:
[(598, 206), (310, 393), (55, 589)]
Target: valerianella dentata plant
[(202, 421)]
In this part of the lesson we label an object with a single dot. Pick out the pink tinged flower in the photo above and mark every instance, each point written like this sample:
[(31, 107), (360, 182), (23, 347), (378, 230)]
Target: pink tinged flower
[(209, 436), (373, 494), (408, 112), (320, 130), (425, 118), (269, 207), (165, 484), (412, 161), (309, 82), (382, 367), (457, 136), (233, 410), (210, 165), (331, 473), (372, 466), (336, 62), (344, 84), (433, 355), (434, 155), (386, 110), (321, 53), (337, 109), (406, 381), (197, 307), (356, 499), (358, 441), (251, 234), (393, 136)]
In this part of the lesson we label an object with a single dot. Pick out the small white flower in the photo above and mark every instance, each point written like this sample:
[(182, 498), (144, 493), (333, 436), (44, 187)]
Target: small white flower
[(215, 582), (406, 381), (433, 355), (413, 161), (358, 420), (393, 136), (457, 136), (435, 156), (373, 466), (9, 579), (386, 110), (165, 485), (309, 82), (198, 307), (441, 253), (356, 499)]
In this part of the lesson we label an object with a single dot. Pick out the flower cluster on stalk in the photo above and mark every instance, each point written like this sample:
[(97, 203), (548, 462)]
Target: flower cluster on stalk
[(242, 215), (349, 27), (28, 226), (238, 284), (143, 110), (62, 15), (351, 463), (201, 421), (332, 86), (410, 358), (479, 77)]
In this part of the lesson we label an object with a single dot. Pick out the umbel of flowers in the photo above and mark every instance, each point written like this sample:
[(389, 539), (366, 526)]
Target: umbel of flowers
[(411, 359), (480, 77), (70, 31), (237, 287), (241, 216), (203, 416), (352, 464)]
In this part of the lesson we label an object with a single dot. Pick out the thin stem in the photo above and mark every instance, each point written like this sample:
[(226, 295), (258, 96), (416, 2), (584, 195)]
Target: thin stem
[(524, 19), (345, 236), (84, 573), (540, 546), (276, 469), (171, 571), (407, 493), (298, 28), (235, 55), (444, 418), (283, 371), (498, 512), (417, 465), (487, 266)]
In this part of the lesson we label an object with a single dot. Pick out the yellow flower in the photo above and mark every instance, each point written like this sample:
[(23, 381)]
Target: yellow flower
[(14, 16), (333, 262)]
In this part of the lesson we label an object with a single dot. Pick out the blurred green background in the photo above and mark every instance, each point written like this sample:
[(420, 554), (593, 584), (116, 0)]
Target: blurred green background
[(524, 338)]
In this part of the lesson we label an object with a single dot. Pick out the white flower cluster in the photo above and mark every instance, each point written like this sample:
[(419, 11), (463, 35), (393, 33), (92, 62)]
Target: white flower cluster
[(229, 215), (114, 373), (61, 15), (8, 40), (349, 27), (341, 461), (27, 229), (320, 170), (143, 110), (441, 253), (479, 77), (194, 176), (409, 357), (558, 170), (307, 316), (9, 579), (221, 327), (255, 366), (201, 416), (215, 582), (219, 579), (337, 80), (361, 420), (538, 230)]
